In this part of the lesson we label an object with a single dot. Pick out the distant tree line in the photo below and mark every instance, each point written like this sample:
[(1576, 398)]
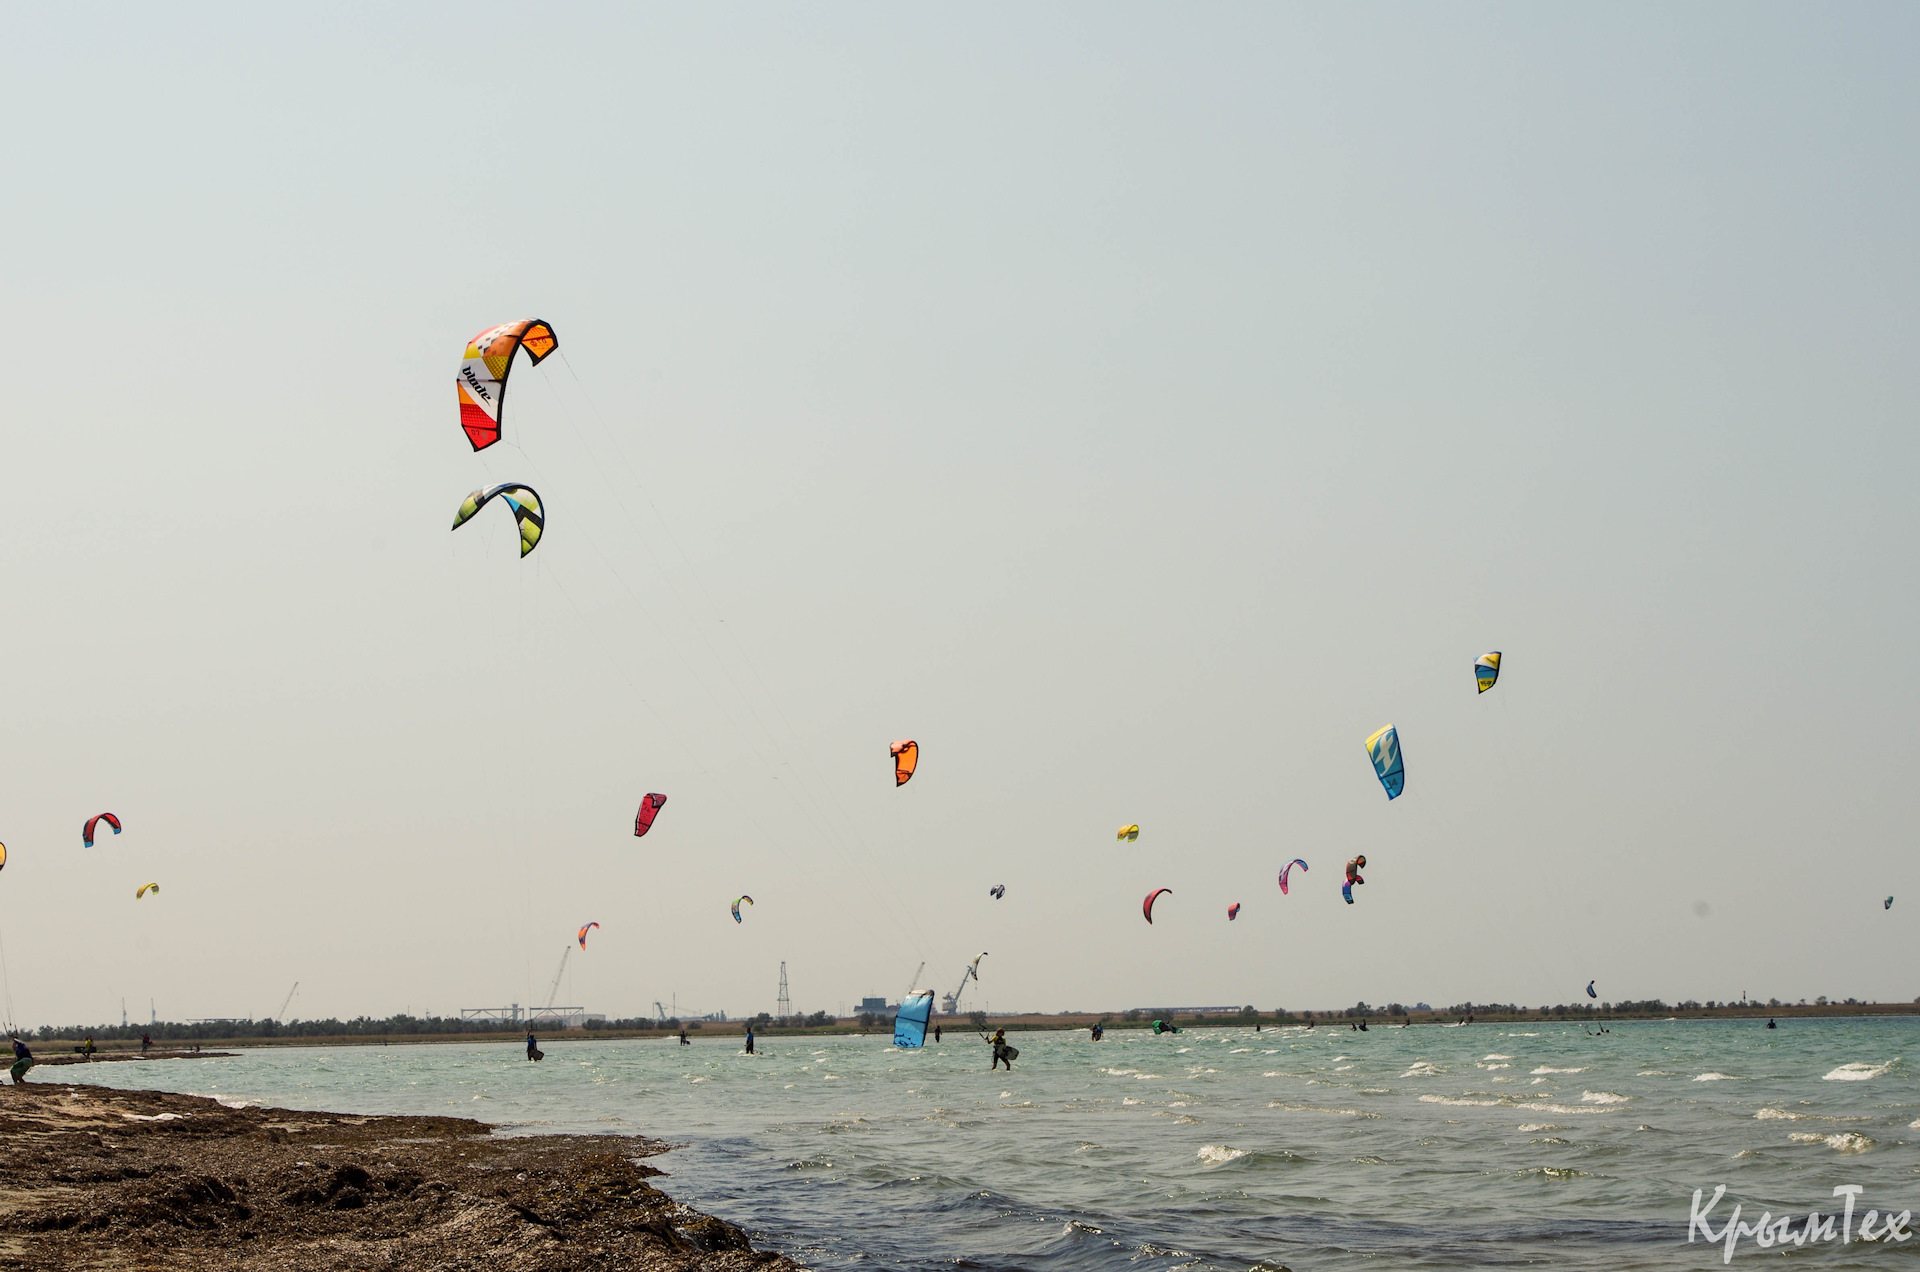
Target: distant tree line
[(368, 1026), (205, 1030)]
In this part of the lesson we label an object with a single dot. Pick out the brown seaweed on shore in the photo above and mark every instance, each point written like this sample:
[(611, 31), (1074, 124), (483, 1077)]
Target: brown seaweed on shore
[(97, 1178)]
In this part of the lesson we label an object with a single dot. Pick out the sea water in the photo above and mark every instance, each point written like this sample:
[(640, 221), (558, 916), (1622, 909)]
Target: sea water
[(1474, 1146)]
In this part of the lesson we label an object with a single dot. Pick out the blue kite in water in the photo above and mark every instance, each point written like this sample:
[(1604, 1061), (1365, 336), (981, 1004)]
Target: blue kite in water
[(1384, 747), (910, 1022)]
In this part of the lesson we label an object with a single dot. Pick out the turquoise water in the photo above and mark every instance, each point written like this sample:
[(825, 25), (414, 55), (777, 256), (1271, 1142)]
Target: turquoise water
[(1478, 1146)]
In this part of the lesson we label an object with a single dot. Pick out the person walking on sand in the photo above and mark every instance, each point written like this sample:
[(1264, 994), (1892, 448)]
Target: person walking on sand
[(145, 1042), (89, 1046), (1000, 1051), (22, 1061), (749, 1039)]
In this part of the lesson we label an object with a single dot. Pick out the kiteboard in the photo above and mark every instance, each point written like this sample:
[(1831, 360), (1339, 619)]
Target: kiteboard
[(1010, 1054), (536, 1054)]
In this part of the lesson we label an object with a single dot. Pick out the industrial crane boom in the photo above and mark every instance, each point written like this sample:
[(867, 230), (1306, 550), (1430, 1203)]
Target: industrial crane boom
[(553, 991)]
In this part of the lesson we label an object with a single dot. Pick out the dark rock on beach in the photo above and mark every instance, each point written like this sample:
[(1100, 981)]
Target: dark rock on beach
[(101, 1178)]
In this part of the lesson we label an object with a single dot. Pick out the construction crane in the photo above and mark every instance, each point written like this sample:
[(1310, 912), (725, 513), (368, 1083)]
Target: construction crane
[(950, 1004), (553, 991), (280, 1015)]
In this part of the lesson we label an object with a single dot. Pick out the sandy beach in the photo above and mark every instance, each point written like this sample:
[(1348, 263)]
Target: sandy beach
[(101, 1178)]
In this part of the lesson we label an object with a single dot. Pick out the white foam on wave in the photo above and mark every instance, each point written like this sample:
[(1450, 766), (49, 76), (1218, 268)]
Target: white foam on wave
[(1130, 1100), (1766, 1115), (1421, 1069), (1561, 1109), (1465, 1104), (1239, 1051), (1341, 1068), (1844, 1142), (1603, 1097), (1495, 1055), (1484, 1065), (1540, 1126), (1548, 1069), (1717, 1077), (1219, 1154), (1315, 1108), (1856, 1072), (1121, 1073)]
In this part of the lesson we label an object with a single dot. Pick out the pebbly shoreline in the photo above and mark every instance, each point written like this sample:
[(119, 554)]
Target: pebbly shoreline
[(101, 1177)]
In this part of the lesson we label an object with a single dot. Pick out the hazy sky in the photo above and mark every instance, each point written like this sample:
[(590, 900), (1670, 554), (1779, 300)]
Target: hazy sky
[(1136, 405)]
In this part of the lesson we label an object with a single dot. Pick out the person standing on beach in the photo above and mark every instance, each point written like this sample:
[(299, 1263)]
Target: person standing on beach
[(145, 1042), (749, 1039), (89, 1046), (22, 1061)]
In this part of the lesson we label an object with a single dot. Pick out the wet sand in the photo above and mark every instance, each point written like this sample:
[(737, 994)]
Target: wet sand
[(98, 1178)]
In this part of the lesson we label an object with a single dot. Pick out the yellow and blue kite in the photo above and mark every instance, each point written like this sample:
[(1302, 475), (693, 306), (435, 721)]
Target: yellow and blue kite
[(1384, 747)]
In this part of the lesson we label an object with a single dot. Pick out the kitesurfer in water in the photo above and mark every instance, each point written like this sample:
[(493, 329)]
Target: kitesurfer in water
[(22, 1061), (999, 1041), (533, 1047), (749, 1039), (1770, 1023), (936, 1033), (1099, 1031)]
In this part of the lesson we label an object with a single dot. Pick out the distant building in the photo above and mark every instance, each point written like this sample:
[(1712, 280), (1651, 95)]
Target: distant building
[(875, 1004)]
